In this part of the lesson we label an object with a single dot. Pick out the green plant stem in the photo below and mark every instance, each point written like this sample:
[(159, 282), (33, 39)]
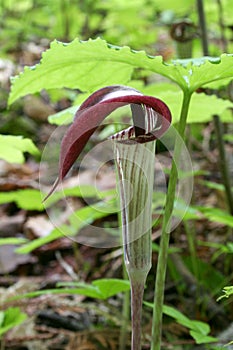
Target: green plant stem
[(202, 24), (64, 8), (223, 162), (217, 122), (222, 26), (190, 232), (2, 344), (165, 236)]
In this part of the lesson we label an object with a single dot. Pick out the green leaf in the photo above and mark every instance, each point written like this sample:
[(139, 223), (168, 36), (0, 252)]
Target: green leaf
[(202, 106), (228, 137), (36, 243), (197, 326), (201, 338), (218, 84), (110, 287), (217, 215), (12, 240), (89, 65), (204, 70), (89, 290), (212, 279), (186, 213), (226, 248), (13, 147), (64, 117), (77, 220), (28, 199), (12, 317), (185, 6), (213, 185), (198, 330), (176, 314), (38, 293), (83, 65), (100, 289), (31, 199), (228, 291), (172, 96), (2, 316)]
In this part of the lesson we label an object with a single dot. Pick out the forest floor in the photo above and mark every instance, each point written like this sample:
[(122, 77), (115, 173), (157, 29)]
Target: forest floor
[(71, 322)]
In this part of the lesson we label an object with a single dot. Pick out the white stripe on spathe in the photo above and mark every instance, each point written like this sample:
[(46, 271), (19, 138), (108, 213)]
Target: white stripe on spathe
[(120, 93)]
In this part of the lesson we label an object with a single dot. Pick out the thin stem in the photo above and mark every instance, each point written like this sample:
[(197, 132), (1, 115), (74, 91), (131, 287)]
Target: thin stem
[(2, 343), (125, 314), (190, 232), (202, 24), (222, 26), (64, 8), (165, 236), (217, 122), (223, 162), (137, 291)]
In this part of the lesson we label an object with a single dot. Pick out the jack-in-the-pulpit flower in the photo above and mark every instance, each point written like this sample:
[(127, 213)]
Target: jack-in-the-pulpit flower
[(146, 127), (134, 150)]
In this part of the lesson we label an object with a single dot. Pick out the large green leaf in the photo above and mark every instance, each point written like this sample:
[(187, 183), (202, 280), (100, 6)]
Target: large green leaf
[(93, 64), (84, 65), (204, 70), (12, 148)]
